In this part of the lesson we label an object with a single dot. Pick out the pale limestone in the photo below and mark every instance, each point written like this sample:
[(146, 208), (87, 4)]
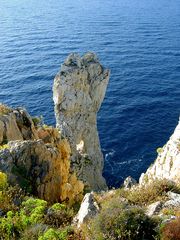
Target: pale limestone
[(154, 208), (167, 164), (88, 209), (78, 91), (16, 125)]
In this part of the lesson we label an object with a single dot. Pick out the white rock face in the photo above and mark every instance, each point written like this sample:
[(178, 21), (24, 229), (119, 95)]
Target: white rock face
[(78, 91), (174, 200), (167, 164), (153, 208), (129, 182), (16, 125), (88, 209)]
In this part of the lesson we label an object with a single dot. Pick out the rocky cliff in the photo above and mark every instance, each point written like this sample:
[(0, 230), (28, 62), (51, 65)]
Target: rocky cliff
[(79, 89), (15, 124), (36, 158), (167, 164)]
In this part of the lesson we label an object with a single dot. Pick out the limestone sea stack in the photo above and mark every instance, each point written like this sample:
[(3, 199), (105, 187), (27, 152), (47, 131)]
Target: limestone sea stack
[(167, 164), (78, 91)]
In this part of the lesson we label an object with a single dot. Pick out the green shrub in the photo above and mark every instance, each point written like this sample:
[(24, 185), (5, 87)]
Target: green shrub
[(59, 215), (159, 150), (53, 234), (4, 146), (34, 209), (12, 225), (32, 203), (38, 121), (119, 221), (37, 215), (58, 206)]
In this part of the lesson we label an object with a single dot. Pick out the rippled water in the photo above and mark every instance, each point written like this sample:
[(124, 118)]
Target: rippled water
[(139, 40)]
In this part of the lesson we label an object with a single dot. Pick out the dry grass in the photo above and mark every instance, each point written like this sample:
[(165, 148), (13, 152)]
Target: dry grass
[(150, 193)]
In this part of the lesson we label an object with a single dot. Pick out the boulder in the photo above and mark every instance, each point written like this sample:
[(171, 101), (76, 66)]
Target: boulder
[(129, 182), (16, 124), (78, 91), (88, 209), (154, 208), (174, 200)]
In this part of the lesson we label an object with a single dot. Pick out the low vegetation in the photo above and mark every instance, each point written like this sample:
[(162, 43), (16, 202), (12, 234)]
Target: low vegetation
[(171, 230), (122, 216), (26, 217), (38, 121), (148, 193), (121, 221), (4, 109)]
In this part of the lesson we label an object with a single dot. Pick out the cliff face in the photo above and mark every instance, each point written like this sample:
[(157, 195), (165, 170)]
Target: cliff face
[(167, 164), (15, 124), (79, 89), (41, 163)]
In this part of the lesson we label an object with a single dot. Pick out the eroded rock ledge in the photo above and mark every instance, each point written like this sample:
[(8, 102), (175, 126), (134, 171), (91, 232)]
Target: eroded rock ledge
[(79, 89)]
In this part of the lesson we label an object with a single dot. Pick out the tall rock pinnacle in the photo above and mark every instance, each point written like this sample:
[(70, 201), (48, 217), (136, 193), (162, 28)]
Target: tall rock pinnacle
[(78, 91)]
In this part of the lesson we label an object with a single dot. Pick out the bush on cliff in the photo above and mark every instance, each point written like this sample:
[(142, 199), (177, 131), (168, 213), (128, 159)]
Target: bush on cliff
[(23, 216), (147, 194), (120, 221), (10, 196), (32, 213), (59, 215)]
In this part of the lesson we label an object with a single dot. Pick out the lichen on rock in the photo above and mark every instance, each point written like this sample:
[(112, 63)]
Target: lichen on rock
[(78, 91)]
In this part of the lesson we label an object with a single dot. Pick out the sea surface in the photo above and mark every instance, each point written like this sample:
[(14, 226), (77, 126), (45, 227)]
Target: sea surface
[(139, 40)]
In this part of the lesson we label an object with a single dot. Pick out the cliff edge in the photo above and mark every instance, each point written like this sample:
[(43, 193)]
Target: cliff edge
[(167, 164)]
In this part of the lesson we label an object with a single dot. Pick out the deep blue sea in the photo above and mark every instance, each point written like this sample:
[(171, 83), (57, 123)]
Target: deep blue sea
[(139, 40)]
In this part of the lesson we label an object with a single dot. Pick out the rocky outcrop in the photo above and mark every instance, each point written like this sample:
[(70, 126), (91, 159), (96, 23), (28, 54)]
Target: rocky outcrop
[(41, 169), (129, 182), (89, 208), (38, 160), (15, 124), (174, 200), (79, 89), (167, 164), (154, 208)]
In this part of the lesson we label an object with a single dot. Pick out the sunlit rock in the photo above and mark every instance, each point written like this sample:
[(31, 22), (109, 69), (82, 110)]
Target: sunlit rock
[(79, 89)]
